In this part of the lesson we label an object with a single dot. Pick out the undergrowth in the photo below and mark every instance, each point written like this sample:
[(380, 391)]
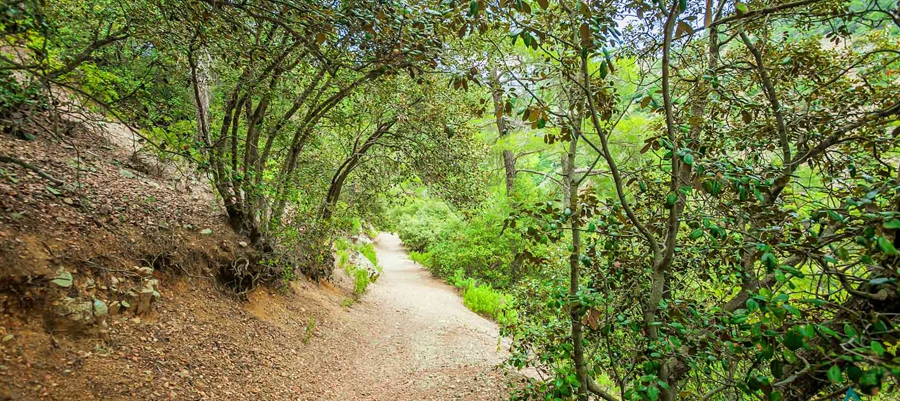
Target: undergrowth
[(482, 299), (361, 278)]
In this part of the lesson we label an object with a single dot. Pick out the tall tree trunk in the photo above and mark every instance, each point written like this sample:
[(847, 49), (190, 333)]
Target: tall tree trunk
[(575, 311), (200, 86), (201, 97), (509, 160)]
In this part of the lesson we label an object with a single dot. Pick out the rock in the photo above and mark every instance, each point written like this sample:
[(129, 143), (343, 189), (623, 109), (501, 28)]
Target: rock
[(361, 239), (243, 244), (71, 315), (144, 299), (362, 262), (77, 310), (114, 307), (145, 271), (100, 308)]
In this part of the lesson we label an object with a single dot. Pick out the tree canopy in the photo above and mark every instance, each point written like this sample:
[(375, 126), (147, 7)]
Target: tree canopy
[(678, 199)]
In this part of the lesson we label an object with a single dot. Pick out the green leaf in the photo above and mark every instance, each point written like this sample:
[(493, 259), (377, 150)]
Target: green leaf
[(689, 159), (835, 375), (849, 330), (473, 7), (886, 246), (670, 200), (895, 224), (881, 281), (869, 379), (769, 260), (697, 233), (63, 279), (829, 332), (877, 348), (741, 8), (794, 311), (854, 373), (53, 191), (653, 393), (777, 368), (793, 340)]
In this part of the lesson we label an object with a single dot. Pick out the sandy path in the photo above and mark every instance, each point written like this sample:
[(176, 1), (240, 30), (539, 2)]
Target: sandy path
[(413, 339)]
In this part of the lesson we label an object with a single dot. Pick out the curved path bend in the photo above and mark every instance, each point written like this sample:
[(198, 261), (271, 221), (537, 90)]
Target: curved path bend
[(415, 340)]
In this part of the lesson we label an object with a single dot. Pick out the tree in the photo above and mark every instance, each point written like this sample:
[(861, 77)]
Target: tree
[(741, 109)]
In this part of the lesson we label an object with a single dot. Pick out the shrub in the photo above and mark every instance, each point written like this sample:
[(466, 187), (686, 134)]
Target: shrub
[(484, 300), (459, 280), (360, 281), (422, 258), (368, 250)]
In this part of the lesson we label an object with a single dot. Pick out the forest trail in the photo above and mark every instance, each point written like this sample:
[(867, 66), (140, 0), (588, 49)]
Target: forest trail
[(413, 339)]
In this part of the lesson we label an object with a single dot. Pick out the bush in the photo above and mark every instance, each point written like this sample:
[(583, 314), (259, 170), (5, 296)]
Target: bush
[(368, 250), (422, 258), (483, 300), (459, 280), (360, 281)]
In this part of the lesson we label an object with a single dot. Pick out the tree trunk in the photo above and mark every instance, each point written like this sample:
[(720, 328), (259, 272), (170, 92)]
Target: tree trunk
[(340, 176), (575, 310), (509, 160)]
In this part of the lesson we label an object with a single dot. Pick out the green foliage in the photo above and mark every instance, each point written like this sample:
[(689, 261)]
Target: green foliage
[(460, 281), (368, 250), (310, 329), (484, 300), (422, 258), (360, 281), (453, 243)]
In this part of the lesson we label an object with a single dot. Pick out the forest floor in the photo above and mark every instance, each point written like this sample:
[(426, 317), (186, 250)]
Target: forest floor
[(408, 338)]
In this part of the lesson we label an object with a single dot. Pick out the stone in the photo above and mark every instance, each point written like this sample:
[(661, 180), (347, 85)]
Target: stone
[(145, 271), (144, 299), (114, 307), (151, 284), (100, 308), (361, 239), (71, 315), (362, 262)]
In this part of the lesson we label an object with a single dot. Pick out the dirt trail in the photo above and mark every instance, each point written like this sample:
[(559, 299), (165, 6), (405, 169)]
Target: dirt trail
[(413, 339)]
